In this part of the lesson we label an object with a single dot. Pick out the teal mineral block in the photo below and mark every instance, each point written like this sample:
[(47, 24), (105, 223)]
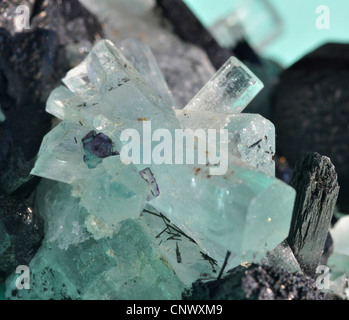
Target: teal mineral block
[(84, 258), (112, 191), (125, 266), (242, 210)]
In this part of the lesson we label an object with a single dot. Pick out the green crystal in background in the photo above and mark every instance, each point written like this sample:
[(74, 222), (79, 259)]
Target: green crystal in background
[(339, 260), (147, 231)]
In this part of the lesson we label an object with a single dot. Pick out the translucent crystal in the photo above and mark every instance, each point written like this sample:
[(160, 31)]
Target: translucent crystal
[(83, 258), (282, 257), (254, 19), (231, 89), (339, 287), (227, 210), (251, 137), (141, 57), (122, 267), (114, 184), (242, 210), (186, 67), (114, 192), (102, 79), (188, 259), (62, 214), (61, 152)]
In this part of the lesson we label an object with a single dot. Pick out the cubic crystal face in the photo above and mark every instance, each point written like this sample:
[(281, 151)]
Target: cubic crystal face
[(167, 221)]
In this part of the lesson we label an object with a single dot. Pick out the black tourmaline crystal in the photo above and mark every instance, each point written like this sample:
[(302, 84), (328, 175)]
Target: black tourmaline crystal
[(315, 181)]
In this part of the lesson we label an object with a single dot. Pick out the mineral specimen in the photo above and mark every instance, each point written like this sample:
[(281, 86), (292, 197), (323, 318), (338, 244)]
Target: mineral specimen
[(256, 282), (83, 258), (191, 30), (282, 257), (185, 66), (21, 232), (125, 214), (315, 181), (32, 62), (106, 95), (142, 58), (230, 90)]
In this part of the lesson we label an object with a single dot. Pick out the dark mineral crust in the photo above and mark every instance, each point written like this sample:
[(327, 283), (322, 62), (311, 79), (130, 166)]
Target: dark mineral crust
[(311, 110), (21, 233), (32, 62), (256, 283), (315, 181)]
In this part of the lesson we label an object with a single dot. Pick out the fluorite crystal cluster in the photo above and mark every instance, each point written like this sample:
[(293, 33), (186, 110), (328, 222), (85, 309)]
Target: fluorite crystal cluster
[(148, 230)]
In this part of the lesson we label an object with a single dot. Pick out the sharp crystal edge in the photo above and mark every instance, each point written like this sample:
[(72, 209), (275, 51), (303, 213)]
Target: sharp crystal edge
[(251, 137), (142, 58), (229, 30), (245, 211), (185, 66), (232, 88), (315, 181), (282, 257)]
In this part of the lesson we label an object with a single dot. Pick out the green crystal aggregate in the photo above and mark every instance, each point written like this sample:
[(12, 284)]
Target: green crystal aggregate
[(105, 237)]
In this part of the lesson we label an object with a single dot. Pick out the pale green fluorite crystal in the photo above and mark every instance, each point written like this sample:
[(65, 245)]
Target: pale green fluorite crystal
[(84, 258), (125, 266), (244, 210)]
